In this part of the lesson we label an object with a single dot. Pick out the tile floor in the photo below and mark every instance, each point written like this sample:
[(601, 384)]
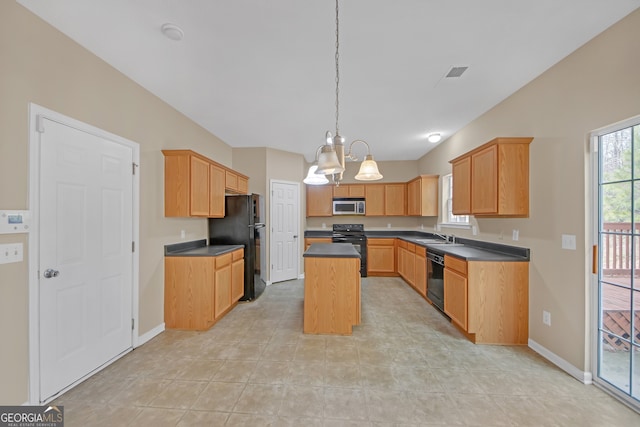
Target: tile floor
[(405, 365)]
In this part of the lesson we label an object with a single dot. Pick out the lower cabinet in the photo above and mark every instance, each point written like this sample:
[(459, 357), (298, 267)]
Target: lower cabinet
[(199, 290), (381, 257), (489, 301), (420, 284)]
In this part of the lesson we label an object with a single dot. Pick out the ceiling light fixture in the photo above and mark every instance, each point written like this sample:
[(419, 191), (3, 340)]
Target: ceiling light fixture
[(331, 156), (172, 31), (434, 137), (314, 178)]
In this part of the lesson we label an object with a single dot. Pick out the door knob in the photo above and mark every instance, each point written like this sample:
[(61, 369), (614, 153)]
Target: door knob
[(50, 272)]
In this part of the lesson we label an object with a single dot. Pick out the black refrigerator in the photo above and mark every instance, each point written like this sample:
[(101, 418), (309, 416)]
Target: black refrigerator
[(243, 224)]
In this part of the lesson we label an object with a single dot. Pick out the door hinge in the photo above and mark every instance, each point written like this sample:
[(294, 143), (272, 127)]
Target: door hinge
[(133, 323), (133, 168), (133, 246), (40, 123)]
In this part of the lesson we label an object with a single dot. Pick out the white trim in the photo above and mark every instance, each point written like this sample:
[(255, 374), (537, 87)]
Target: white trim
[(36, 111), (301, 276), (630, 122), (592, 214), (583, 377), (465, 225), (297, 225), (148, 336)]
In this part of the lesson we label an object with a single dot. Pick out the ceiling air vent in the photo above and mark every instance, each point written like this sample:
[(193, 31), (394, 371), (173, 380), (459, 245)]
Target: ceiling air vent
[(456, 72)]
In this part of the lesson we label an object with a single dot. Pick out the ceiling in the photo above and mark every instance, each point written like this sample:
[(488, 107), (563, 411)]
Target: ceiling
[(261, 73)]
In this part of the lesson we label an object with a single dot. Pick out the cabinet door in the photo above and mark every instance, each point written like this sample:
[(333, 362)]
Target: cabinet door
[(413, 198), (216, 191), (237, 280), (455, 297), (461, 174), (484, 176), (380, 256), (199, 187), (243, 185), (222, 284), (356, 190), (341, 190), (421, 272), (395, 203), (319, 200), (188, 292), (410, 268), (374, 199)]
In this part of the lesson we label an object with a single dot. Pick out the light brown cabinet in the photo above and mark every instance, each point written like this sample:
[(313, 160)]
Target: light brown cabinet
[(319, 200), (489, 301), (374, 199), (407, 261), (395, 199), (349, 190), (422, 196), (236, 183), (200, 290), (194, 186), (381, 256), (493, 179), (420, 283)]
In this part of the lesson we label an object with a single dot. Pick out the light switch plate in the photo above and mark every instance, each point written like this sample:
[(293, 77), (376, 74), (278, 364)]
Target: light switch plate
[(12, 252), (569, 241)]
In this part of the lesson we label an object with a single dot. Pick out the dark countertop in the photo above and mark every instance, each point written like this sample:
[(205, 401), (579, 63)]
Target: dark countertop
[(331, 250), (467, 249), (198, 248)]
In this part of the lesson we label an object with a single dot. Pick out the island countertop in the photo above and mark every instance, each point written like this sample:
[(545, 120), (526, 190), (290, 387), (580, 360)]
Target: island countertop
[(331, 250)]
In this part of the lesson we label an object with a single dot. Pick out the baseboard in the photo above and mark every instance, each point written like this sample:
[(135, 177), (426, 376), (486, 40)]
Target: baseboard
[(147, 336), (582, 376), (301, 276)]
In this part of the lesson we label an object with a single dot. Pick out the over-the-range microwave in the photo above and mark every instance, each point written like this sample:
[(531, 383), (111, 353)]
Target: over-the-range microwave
[(348, 206)]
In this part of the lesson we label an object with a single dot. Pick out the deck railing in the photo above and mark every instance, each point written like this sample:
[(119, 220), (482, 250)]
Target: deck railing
[(616, 251)]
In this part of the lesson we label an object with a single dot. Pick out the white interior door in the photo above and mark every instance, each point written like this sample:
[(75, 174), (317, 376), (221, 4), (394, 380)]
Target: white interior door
[(285, 230), (85, 259)]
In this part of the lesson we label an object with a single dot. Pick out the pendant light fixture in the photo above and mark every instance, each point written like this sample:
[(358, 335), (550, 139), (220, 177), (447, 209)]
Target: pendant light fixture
[(331, 156)]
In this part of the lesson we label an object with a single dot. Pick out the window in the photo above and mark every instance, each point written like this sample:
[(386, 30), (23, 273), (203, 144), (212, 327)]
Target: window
[(447, 201)]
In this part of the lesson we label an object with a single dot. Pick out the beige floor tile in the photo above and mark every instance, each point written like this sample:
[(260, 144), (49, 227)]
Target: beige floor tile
[(250, 420), (480, 410), (264, 399), (344, 403), (235, 371), (157, 417), (139, 392), (270, 372), (279, 352), (198, 369), (342, 375), (218, 396), (179, 394), (391, 406), (302, 402), (203, 418), (306, 373)]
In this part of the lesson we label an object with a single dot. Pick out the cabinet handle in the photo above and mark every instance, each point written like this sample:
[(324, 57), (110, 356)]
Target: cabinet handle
[(594, 261)]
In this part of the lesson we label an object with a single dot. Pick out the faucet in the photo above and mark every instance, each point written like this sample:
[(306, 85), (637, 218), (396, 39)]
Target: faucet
[(447, 238)]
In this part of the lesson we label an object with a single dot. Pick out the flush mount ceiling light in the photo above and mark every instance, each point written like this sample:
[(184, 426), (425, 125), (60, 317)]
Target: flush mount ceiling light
[(330, 157), (434, 137), (172, 31)]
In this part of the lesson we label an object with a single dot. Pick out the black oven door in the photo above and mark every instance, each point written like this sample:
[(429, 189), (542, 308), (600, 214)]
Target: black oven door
[(435, 279)]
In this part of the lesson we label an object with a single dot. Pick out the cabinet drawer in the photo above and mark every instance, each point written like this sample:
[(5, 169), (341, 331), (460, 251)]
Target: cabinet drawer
[(456, 264), (411, 247), (236, 255), (380, 242), (223, 260), (402, 244), (421, 251)]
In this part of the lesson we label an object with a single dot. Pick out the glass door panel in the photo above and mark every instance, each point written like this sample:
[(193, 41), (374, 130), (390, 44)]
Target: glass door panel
[(619, 261)]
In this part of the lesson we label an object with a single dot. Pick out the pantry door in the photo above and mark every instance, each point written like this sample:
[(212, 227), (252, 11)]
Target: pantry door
[(285, 231), (86, 263)]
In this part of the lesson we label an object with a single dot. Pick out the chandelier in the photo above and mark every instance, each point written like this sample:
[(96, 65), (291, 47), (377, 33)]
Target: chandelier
[(330, 157)]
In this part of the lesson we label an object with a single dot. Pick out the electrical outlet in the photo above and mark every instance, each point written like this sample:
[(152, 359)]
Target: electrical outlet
[(474, 230), (546, 318), (389, 225), (515, 235), (183, 234)]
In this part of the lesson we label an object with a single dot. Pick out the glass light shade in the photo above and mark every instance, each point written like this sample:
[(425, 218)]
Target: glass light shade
[(368, 170), (314, 178), (328, 162), (434, 137)]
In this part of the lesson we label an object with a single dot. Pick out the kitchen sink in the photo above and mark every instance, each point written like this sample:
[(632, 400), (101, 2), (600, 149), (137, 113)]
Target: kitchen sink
[(437, 242)]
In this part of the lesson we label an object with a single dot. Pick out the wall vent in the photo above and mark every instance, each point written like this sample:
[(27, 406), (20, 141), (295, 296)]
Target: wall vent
[(456, 72)]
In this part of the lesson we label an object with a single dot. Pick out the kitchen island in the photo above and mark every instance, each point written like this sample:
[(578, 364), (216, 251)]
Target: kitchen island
[(331, 289)]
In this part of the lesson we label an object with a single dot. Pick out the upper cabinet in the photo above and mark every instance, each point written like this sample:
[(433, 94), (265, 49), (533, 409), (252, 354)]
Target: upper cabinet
[(374, 199), (349, 190), (422, 196), (319, 200), (194, 186), (395, 199), (493, 179)]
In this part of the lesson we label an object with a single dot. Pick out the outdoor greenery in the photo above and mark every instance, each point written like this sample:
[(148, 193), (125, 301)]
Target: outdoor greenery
[(620, 175)]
